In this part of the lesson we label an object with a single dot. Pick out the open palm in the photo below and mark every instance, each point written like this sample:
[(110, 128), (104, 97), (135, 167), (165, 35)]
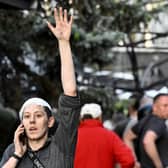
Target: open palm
[(62, 30)]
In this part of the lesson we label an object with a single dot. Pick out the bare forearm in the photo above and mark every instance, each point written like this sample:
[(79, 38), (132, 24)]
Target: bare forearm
[(11, 163), (67, 68), (151, 150), (130, 144), (128, 138), (62, 32)]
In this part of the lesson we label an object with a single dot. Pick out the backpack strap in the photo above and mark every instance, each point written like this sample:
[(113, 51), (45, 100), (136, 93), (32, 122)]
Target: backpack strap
[(36, 162)]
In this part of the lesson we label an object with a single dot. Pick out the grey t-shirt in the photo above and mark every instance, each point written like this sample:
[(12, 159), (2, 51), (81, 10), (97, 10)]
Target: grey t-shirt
[(58, 152)]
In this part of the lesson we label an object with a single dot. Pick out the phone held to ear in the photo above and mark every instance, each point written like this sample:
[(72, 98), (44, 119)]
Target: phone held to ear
[(23, 138)]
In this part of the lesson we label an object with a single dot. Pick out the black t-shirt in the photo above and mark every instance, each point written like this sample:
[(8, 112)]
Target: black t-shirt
[(157, 125)]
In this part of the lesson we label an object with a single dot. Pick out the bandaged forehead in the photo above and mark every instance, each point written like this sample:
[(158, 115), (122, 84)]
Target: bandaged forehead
[(36, 101)]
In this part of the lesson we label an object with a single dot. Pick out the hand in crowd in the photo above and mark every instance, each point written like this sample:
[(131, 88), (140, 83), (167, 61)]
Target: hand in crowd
[(62, 30)]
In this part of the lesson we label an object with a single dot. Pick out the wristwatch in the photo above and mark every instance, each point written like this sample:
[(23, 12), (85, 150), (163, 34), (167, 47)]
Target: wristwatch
[(16, 156)]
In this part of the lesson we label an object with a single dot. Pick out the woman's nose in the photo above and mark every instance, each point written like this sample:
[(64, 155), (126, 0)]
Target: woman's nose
[(32, 118)]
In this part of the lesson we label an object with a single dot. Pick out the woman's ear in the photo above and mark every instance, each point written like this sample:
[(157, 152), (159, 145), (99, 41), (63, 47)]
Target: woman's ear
[(51, 121)]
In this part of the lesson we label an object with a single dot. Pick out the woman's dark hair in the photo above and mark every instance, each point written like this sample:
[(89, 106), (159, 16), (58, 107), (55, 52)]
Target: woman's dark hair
[(48, 111), (55, 126)]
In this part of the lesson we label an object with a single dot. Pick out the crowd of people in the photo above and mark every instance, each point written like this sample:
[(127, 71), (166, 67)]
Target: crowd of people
[(81, 140)]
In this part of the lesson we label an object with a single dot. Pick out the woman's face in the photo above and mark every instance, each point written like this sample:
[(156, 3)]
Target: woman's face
[(36, 122)]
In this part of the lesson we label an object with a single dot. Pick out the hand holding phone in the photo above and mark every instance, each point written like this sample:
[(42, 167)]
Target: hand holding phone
[(20, 140)]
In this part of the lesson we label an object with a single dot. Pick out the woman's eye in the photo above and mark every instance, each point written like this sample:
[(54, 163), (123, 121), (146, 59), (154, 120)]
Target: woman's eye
[(26, 116), (39, 115)]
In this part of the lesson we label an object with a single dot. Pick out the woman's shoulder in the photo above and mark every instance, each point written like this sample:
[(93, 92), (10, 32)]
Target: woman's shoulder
[(10, 148)]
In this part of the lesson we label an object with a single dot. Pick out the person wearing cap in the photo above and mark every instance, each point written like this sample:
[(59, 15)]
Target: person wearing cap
[(98, 147), (32, 146), (152, 135)]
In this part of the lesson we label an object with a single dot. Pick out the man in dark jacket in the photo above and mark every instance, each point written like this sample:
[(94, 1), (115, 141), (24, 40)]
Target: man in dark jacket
[(32, 145)]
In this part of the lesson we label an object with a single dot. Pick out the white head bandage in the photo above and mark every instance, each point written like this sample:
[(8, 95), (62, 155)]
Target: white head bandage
[(92, 109), (35, 100)]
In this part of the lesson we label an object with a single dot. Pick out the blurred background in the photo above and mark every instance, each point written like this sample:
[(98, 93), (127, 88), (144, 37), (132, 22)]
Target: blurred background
[(120, 48)]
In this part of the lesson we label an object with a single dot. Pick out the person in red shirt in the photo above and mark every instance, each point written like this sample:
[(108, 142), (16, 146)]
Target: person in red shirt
[(98, 147)]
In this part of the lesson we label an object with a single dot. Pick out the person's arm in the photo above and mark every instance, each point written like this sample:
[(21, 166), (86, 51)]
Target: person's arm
[(150, 148), (11, 163), (69, 103), (19, 150), (128, 138), (62, 32)]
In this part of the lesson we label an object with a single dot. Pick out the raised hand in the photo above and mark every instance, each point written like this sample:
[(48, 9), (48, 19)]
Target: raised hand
[(62, 30)]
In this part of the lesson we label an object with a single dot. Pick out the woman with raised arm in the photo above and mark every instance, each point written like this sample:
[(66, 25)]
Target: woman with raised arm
[(32, 146)]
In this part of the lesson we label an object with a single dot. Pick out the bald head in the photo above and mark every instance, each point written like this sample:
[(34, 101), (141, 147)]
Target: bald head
[(160, 106)]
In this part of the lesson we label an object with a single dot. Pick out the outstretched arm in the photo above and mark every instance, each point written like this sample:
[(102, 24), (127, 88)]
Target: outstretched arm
[(62, 31), (69, 103)]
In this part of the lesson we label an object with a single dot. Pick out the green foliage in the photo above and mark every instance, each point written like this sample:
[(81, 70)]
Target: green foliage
[(103, 24), (121, 106), (25, 37)]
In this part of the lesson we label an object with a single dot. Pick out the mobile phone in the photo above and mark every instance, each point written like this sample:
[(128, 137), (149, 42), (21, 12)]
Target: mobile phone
[(23, 138)]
